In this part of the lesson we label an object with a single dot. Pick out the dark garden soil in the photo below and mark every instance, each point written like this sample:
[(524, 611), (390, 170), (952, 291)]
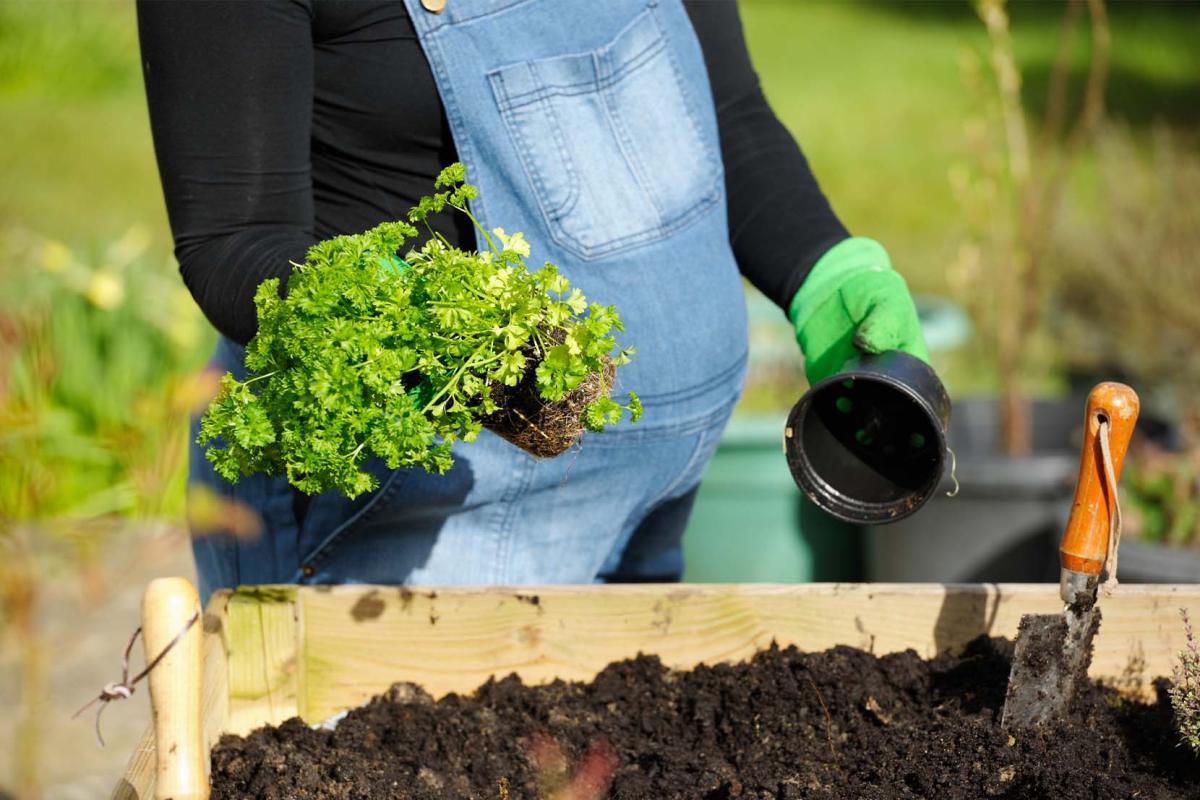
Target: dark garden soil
[(837, 724)]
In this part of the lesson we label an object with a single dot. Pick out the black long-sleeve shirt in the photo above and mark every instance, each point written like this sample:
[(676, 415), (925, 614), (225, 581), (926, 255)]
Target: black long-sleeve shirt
[(278, 123)]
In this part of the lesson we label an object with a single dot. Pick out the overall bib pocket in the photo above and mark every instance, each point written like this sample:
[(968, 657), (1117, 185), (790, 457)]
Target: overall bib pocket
[(610, 141)]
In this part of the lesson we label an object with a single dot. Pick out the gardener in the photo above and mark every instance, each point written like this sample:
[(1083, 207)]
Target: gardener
[(596, 129)]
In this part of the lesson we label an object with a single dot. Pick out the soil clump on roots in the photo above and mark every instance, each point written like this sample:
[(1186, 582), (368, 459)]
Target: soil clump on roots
[(540, 427), (838, 724)]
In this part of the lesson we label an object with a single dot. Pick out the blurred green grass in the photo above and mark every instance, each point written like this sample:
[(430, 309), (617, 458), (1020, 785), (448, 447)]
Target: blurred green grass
[(873, 92), (77, 155)]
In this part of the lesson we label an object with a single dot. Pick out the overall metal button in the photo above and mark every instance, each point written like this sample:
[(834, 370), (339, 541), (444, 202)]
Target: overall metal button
[(434, 6)]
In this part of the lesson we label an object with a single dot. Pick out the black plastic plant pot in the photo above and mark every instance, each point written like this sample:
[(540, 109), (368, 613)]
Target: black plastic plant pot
[(868, 445)]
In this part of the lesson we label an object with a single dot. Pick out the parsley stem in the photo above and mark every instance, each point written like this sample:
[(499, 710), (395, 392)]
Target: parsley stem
[(470, 362), (259, 377), (486, 235), (435, 235), (541, 341)]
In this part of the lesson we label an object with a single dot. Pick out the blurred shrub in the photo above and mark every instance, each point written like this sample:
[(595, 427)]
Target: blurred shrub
[(1127, 301), (1010, 193), (1160, 491), (97, 362), (1128, 264)]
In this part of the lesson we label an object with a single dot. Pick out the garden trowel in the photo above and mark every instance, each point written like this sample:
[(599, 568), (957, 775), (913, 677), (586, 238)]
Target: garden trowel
[(1053, 651)]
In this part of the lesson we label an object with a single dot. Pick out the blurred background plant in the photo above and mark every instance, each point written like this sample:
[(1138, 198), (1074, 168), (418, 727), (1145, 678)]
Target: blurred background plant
[(1010, 192), (98, 374), (100, 350), (1126, 300), (100, 345)]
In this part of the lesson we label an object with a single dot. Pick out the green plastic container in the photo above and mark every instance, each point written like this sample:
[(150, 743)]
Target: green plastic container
[(752, 524)]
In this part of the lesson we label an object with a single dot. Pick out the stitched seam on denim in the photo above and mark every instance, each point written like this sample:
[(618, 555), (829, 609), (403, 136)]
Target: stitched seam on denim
[(627, 146), (423, 20), (627, 437), (633, 241), (701, 442), (460, 18), (560, 141), (463, 143), (322, 551), (643, 510), (621, 34), (525, 155), (555, 223), (705, 142), (599, 83), (700, 447), (508, 505), (431, 45), (698, 389)]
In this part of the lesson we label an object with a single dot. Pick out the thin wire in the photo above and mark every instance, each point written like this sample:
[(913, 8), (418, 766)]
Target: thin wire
[(1114, 515), (123, 689), (953, 473)]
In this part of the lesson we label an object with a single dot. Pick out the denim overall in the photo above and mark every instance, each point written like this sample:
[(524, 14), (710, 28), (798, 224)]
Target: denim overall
[(589, 126)]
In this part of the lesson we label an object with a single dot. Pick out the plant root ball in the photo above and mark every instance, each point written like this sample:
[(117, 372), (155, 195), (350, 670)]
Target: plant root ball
[(540, 428)]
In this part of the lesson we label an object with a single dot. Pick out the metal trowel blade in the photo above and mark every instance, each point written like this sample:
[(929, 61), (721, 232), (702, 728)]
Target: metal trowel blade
[(1052, 656)]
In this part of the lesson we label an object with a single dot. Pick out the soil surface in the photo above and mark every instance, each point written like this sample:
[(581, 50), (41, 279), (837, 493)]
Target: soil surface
[(787, 724)]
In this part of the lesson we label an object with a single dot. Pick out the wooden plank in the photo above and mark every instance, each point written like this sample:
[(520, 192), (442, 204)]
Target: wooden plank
[(261, 646), (358, 640), (138, 783)]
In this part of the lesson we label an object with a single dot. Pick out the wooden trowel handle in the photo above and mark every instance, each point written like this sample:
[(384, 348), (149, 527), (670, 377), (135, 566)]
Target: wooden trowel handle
[(1085, 542), (175, 687)]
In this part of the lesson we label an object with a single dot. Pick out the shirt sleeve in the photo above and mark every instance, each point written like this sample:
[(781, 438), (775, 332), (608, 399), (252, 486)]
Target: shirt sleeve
[(780, 222), (229, 87)]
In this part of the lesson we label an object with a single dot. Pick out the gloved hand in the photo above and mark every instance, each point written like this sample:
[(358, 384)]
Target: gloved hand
[(853, 301)]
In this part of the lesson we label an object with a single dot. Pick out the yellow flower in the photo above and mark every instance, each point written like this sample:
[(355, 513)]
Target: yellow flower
[(132, 244), (55, 256), (105, 290)]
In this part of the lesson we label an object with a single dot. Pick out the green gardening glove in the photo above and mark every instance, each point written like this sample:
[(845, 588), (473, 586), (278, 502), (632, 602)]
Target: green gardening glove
[(853, 302)]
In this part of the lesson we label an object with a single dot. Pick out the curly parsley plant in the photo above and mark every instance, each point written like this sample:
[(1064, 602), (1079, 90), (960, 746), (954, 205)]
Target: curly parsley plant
[(370, 355)]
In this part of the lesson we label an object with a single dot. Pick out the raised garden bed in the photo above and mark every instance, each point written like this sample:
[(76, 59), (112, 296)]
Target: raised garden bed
[(278, 652)]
